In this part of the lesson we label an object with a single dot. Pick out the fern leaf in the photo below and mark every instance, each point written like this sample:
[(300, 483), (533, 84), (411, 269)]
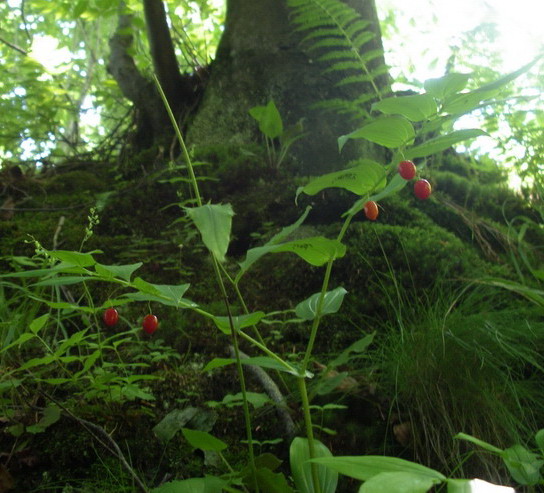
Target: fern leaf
[(339, 33)]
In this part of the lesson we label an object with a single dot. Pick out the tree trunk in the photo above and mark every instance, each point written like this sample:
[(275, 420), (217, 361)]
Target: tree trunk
[(260, 58)]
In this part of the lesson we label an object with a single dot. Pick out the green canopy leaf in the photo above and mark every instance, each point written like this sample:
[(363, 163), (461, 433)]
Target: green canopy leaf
[(332, 301)]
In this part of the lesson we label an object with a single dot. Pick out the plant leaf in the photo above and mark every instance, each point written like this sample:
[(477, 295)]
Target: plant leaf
[(316, 251), (368, 466), (398, 482), (443, 142), (416, 108), (269, 119), (445, 86), (299, 456), (390, 131), (239, 321), (203, 440), (307, 309), (255, 254), (214, 223), (361, 179), (523, 465)]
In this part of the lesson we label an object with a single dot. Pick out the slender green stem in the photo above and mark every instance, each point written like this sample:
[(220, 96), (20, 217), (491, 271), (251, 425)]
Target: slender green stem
[(272, 354), (313, 334), (221, 284), (309, 430)]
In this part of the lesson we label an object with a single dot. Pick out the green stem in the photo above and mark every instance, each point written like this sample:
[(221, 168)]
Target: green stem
[(313, 334), (221, 284), (309, 430)]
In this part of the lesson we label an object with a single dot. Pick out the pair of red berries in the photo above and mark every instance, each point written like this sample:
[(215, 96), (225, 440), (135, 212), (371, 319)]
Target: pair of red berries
[(406, 169), (150, 322), (422, 188)]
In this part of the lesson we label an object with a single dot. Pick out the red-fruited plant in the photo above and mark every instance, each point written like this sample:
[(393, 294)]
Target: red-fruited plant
[(371, 210), (407, 170), (422, 189), (150, 324), (111, 317)]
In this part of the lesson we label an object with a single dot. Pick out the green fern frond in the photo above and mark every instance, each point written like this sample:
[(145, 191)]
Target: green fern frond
[(339, 32)]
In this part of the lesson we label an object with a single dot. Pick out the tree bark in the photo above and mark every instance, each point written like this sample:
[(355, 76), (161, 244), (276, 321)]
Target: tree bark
[(260, 58)]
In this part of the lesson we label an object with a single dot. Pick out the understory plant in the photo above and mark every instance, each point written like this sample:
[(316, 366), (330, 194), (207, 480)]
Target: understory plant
[(82, 359)]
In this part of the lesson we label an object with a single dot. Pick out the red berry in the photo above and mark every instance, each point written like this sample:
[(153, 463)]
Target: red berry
[(111, 317), (422, 189), (371, 210), (150, 324), (407, 169)]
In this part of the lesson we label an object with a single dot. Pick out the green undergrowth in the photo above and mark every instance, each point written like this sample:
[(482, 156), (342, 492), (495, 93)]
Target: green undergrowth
[(462, 361)]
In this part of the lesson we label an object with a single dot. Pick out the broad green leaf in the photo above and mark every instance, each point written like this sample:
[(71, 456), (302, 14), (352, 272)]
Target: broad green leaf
[(316, 251), (239, 321), (269, 119), (73, 258), (38, 323), (523, 465), (332, 301), (117, 271), (214, 223), (167, 294), (389, 131), (443, 142), (208, 484), (465, 102), (360, 179), (478, 442), (398, 482), (256, 253), (203, 441), (415, 108), (444, 87), (299, 456), (368, 466)]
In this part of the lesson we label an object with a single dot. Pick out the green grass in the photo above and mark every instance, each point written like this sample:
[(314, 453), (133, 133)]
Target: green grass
[(465, 362)]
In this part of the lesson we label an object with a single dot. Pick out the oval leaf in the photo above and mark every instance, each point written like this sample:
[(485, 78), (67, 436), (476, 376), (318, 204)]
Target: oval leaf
[(390, 131), (299, 455), (239, 321), (316, 251), (443, 142), (446, 86), (332, 301), (368, 466), (269, 119), (360, 179), (398, 482), (203, 441), (416, 108), (214, 223)]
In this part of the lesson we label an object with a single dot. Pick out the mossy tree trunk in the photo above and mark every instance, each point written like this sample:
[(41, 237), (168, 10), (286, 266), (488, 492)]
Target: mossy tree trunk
[(260, 57)]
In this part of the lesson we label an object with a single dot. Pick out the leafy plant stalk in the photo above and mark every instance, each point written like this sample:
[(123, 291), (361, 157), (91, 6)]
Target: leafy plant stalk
[(194, 183)]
